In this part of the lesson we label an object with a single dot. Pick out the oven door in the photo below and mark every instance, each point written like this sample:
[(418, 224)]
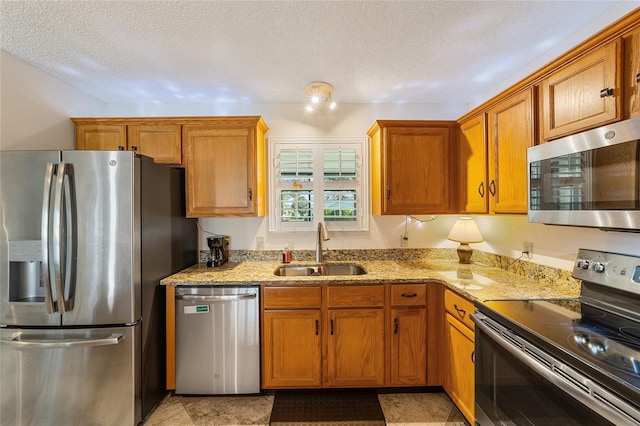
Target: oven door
[(519, 384)]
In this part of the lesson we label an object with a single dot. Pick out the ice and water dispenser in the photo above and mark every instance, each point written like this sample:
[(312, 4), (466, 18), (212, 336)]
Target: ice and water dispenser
[(25, 277)]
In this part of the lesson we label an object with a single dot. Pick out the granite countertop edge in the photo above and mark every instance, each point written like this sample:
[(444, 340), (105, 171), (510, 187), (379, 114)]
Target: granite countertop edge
[(475, 281)]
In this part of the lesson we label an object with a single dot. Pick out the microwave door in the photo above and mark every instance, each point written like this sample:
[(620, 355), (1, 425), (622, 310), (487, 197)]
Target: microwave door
[(25, 299)]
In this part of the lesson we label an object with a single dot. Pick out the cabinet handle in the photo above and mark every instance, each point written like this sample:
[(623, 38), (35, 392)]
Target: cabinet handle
[(395, 325), (606, 92), (120, 148), (317, 327), (250, 194), (481, 189), (638, 78), (492, 188), (409, 294), (331, 322), (388, 192), (473, 357), (460, 311), (134, 148)]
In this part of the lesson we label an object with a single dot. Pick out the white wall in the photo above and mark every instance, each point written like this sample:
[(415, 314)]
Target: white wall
[(35, 107), (35, 111)]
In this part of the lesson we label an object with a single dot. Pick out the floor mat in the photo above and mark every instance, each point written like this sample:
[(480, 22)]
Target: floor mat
[(335, 407)]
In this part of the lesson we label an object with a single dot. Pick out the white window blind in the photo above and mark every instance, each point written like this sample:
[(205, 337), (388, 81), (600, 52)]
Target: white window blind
[(318, 180)]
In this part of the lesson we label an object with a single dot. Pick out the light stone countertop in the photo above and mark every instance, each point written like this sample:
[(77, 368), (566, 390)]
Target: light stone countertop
[(475, 281)]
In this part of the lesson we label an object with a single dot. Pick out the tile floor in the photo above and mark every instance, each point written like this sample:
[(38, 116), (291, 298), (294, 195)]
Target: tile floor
[(400, 409)]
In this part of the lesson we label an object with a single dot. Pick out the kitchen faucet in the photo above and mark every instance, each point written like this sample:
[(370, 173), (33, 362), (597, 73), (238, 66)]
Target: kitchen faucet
[(323, 235)]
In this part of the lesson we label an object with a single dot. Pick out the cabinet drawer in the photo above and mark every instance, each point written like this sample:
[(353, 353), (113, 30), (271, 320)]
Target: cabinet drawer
[(459, 307), (355, 296), (409, 295), (291, 297)]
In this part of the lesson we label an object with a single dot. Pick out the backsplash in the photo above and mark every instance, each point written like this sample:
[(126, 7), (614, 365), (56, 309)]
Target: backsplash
[(549, 276)]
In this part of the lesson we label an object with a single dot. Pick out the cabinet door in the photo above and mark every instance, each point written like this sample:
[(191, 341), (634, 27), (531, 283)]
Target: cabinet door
[(473, 165), (417, 172), (583, 94), (162, 142), (220, 166), (102, 137), (511, 132), (409, 346), (459, 382), (355, 347), (291, 348), (632, 74)]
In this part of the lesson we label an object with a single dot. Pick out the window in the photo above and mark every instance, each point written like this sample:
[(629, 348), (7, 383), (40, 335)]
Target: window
[(318, 180)]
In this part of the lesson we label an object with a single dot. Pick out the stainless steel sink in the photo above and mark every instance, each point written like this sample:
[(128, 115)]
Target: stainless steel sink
[(320, 270)]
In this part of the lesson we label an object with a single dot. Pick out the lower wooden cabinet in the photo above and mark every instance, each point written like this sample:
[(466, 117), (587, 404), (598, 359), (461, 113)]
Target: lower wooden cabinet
[(408, 341), (291, 348), (459, 381), (344, 336), (355, 347), (291, 352)]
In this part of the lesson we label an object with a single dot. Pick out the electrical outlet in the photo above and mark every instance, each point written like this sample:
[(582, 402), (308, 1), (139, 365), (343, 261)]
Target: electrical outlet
[(260, 243), (527, 249), (404, 241)]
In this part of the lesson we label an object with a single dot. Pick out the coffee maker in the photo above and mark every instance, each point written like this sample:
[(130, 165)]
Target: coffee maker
[(219, 246)]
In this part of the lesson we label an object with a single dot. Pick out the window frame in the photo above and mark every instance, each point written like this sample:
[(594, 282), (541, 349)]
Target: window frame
[(318, 145)]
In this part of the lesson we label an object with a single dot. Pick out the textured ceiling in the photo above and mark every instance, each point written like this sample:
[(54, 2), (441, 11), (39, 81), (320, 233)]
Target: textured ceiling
[(267, 51)]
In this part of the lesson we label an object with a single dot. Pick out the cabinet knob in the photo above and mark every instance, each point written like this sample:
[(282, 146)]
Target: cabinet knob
[(250, 194), (388, 192), (317, 328), (638, 78), (120, 148), (134, 148), (481, 189), (606, 92), (331, 330), (492, 188), (395, 325), (409, 294)]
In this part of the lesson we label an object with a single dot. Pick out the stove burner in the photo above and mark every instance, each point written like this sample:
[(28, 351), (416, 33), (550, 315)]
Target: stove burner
[(617, 353)]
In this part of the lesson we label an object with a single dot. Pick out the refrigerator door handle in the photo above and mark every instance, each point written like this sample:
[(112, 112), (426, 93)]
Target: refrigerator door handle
[(63, 235), (39, 343), (44, 231)]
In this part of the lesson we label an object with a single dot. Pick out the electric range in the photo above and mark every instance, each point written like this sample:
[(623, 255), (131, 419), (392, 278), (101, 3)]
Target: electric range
[(596, 336)]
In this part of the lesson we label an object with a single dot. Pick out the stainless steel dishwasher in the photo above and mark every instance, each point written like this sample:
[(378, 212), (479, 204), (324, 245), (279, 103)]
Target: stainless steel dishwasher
[(217, 340)]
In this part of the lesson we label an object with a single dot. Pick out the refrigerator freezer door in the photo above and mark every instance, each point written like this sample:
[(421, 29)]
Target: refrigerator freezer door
[(107, 269), (65, 377), (22, 294)]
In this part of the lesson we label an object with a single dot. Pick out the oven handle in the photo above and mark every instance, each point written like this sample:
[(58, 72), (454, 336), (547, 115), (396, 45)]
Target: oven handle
[(595, 397)]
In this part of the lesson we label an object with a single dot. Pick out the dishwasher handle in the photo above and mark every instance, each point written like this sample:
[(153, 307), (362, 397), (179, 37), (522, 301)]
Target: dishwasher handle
[(220, 298)]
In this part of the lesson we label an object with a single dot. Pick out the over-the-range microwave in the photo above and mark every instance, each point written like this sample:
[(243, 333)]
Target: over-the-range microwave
[(588, 179)]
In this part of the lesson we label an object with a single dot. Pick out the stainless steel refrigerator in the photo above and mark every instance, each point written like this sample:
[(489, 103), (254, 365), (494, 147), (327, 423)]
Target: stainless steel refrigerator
[(85, 238)]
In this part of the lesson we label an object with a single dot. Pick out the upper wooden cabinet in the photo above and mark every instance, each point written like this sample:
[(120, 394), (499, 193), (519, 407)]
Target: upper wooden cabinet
[(584, 93), (631, 82), (473, 165), (162, 142), (411, 167), (151, 137), (511, 130), (225, 163)]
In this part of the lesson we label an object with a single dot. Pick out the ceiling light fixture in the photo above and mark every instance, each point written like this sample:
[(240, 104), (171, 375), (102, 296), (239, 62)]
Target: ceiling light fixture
[(319, 94)]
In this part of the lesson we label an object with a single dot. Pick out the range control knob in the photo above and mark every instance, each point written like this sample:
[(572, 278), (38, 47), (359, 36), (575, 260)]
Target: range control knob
[(583, 264), (598, 267)]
